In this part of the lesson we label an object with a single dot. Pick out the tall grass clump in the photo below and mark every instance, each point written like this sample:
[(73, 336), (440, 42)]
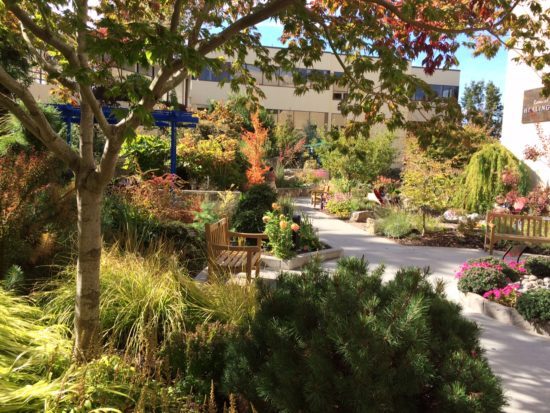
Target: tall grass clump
[(33, 356), (147, 298), (398, 223)]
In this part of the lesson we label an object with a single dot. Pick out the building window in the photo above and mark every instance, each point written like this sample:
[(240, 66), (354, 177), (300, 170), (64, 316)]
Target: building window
[(442, 91), (145, 71), (301, 119), (339, 96), (38, 76), (286, 116), (286, 78), (209, 75), (256, 73), (338, 120), (338, 87), (319, 119)]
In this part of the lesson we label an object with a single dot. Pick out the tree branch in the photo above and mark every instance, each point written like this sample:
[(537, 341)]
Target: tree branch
[(263, 13), (426, 26), (176, 15), (50, 68), (36, 121), (43, 34)]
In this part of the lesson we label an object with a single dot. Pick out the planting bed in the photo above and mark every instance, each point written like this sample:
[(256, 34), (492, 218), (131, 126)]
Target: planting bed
[(301, 259)]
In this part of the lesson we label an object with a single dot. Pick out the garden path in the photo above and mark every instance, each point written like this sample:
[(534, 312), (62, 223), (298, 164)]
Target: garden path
[(521, 360)]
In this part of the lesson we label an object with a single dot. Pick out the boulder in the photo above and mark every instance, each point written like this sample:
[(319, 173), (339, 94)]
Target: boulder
[(360, 216), (370, 226), (451, 216)]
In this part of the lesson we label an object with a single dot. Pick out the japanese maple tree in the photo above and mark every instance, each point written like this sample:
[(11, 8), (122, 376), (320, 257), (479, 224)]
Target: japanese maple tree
[(80, 44)]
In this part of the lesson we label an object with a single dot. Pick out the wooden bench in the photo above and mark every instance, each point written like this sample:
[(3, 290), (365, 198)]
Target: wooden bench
[(319, 196), (224, 256), (523, 228)]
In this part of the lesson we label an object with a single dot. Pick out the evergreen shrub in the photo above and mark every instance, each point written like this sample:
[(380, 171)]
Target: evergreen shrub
[(252, 207), (539, 266), (347, 342), (534, 305)]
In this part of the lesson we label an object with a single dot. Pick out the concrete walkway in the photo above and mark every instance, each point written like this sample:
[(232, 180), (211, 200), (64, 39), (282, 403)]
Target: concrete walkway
[(521, 360)]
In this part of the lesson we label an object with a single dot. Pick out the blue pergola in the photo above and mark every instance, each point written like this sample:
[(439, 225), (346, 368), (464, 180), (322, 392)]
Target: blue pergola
[(163, 119)]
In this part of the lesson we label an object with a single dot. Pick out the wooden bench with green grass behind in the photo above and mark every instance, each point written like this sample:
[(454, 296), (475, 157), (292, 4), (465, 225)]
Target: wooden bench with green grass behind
[(521, 228), (222, 256)]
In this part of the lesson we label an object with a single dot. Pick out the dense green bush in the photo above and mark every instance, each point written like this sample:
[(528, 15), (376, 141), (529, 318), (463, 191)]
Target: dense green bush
[(146, 153), (348, 342), (356, 158), (205, 350), (534, 305), (342, 208), (479, 280), (252, 207), (137, 230), (539, 266)]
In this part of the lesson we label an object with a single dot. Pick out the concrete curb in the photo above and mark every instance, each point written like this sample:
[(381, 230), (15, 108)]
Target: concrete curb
[(506, 315), (301, 259)]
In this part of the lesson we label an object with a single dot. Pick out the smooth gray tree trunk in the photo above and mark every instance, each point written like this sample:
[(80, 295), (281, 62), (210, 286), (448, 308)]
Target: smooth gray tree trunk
[(87, 327)]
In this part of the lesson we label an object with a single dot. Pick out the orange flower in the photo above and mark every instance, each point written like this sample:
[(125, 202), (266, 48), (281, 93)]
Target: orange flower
[(265, 219), (295, 227), (283, 225), (275, 206)]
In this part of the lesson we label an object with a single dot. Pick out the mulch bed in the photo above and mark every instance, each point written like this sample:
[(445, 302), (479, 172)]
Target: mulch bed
[(445, 238)]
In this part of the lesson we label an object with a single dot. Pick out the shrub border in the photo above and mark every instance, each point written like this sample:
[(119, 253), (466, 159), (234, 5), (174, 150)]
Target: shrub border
[(506, 315)]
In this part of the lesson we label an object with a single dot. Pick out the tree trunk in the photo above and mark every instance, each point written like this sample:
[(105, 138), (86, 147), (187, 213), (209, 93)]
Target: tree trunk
[(87, 281)]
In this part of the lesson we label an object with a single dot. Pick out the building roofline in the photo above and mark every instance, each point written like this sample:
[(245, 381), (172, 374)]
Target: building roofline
[(333, 54)]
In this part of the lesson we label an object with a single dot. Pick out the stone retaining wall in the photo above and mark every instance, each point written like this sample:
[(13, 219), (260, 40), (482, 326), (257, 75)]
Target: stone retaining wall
[(506, 315)]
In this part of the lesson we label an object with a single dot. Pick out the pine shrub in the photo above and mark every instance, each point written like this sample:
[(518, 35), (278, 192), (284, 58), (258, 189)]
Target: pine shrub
[(534, 305), (347, 342), (539, 266)]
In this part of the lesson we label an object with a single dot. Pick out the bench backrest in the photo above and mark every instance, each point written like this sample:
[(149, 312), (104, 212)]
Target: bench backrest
[(528, 226), (217, 233)]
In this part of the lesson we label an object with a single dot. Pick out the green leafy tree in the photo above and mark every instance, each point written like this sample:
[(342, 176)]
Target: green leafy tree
[(482, 181), (428, 185), (81, 45), (356, 158), (445, 137), (482, 106)]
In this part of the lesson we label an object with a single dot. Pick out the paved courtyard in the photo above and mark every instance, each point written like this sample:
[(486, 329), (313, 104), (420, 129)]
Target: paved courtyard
[(521, 360)]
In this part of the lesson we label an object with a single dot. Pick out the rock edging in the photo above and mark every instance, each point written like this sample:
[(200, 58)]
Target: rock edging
[(506, 315)]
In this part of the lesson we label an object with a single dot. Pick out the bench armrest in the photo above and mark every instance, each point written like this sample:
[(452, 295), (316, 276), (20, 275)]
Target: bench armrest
[(219, 247), (247, 235)]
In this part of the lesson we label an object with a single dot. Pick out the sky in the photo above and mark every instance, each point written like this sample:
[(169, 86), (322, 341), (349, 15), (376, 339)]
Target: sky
[(471, 68)]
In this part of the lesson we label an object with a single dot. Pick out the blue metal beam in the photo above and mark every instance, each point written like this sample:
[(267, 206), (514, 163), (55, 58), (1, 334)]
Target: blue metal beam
[(163, 119)]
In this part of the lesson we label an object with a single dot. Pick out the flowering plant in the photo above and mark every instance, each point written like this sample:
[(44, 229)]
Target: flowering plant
[(279, 229), (507, 295), (510, 270)]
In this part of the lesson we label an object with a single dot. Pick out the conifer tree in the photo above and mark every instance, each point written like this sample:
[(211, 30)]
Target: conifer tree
[(349, 343)]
